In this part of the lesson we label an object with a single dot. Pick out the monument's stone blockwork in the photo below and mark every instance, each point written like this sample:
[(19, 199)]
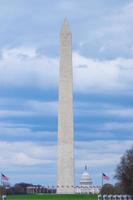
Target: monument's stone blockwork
[(65, 166)]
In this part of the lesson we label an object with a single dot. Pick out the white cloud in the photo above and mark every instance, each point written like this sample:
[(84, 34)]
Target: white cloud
[(13, 113), (12, 131), (100, 75), (25, 154), (42, 108), (94, 153), (11, 107), (116, 32), (117, 126), (23, 67), (101, 153), (124, 16), (120, 112), (30, 108), (109, 127), (102, 109)]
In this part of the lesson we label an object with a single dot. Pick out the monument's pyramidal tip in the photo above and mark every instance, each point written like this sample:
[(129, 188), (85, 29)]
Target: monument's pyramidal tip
[(65, 26)]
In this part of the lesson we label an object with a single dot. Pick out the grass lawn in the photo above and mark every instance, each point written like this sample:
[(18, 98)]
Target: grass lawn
[(52, 197)]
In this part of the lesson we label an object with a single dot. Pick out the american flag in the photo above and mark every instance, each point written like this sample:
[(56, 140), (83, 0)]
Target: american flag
[(105, 177), (4, 178)]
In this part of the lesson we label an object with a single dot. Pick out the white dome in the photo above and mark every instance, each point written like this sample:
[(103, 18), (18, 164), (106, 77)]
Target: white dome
[(86, 179)]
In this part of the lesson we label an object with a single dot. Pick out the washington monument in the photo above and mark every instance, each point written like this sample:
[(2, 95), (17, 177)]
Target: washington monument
[(65, 166)]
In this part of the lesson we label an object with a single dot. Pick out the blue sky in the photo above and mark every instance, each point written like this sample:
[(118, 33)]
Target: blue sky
[(103, 78)]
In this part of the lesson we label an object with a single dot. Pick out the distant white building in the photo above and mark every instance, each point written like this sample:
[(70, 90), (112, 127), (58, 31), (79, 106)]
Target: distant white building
[(86, 184)]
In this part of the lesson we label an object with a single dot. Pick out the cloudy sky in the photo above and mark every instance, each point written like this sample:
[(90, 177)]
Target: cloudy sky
[(103, 78)]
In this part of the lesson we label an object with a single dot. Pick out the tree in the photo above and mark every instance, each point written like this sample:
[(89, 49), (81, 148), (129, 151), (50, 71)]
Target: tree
[(118, 188), (124, 172), (108, 189)]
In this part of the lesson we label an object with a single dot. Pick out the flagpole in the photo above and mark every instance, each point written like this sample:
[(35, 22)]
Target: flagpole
[(102, 185), (102, 179), (1, 187)]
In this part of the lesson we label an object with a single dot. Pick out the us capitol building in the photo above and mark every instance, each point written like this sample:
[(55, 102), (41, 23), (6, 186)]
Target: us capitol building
[(86, 184)]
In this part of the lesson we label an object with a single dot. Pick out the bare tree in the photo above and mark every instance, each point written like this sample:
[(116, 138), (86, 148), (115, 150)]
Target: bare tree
[(124, 172)]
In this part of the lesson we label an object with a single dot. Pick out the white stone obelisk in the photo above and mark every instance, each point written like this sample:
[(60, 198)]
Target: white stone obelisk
[(65, 166)]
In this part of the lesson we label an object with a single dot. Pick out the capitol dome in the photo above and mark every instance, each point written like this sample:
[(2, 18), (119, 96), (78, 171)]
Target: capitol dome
[(86, 179)]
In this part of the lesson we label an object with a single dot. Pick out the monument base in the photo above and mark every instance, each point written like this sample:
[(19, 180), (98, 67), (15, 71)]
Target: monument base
[(65, 190)]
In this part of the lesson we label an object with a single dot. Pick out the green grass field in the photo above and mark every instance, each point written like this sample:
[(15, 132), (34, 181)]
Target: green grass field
[(52, 197)]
